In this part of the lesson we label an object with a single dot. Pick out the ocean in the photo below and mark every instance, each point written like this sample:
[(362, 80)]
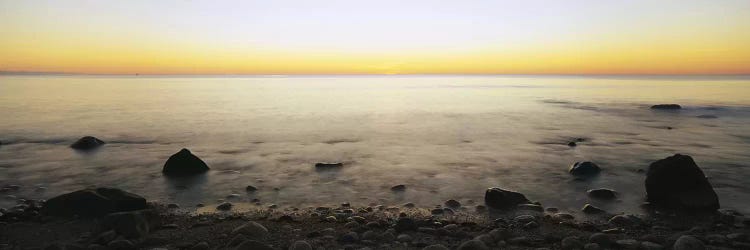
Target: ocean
[(444, 137)]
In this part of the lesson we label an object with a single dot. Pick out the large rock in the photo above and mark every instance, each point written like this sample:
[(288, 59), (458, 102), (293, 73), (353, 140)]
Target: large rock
[(184, 163), (499, 198), (666, 106), (583, 168), (93, 202), (87, 143), (677, 182)]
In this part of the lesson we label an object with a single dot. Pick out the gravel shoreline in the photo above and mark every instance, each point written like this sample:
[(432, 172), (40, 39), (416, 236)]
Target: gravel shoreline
[(379, 227)]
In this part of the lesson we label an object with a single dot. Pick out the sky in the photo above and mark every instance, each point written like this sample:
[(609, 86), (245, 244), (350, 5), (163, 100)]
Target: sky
[(376, 37)]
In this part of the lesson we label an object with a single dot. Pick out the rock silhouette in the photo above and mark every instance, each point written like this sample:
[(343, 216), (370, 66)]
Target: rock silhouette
[(499, 198), (666, 107), (677, 182), (328, 165), (584, 168), (87, 143), (184, 163), (93, 202)]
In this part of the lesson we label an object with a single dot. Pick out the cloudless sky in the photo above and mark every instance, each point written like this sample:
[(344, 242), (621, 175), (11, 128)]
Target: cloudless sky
[(380, 37)]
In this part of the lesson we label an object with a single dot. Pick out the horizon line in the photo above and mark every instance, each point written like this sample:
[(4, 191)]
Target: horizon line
[(3, 72)]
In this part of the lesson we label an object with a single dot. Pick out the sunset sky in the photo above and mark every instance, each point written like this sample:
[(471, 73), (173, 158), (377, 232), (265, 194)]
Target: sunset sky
[(376, 37)]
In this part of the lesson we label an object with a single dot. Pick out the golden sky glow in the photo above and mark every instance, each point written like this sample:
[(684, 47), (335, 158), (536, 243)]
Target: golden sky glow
[(350, 37)]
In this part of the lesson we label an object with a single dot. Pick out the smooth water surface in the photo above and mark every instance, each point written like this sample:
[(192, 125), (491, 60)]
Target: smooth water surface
[(445, 137)]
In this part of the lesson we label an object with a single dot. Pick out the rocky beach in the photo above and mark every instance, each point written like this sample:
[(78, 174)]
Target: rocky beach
[(681, 211)]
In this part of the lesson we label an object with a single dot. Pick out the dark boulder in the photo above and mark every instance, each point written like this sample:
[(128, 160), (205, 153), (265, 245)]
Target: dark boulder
[(602, 193), (584, 168), (328, 165), (184, 163), (677, 182), (87, 143), (398, 188), (93, 202), (666, 106), (498, 198)]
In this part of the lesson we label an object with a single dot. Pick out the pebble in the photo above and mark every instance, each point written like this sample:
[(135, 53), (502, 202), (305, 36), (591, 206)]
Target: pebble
[(300, 245), (480, 208), (435, 247), (387, 237), (226, 206), (404, 238), (647, 245), (525, 218), (601, 239), (398, 188), (437, 211), (173, 205), (251, 188), (570, 243), (486, 238), (252, 230), (328, 231), (331, 219), (687, 242), (369, 235), (233, 196), (121, 245), (472, 245), (620, 220), (349, 237), (351, 224), (591, 209), (628, 244), (409, 205), (531, 225)]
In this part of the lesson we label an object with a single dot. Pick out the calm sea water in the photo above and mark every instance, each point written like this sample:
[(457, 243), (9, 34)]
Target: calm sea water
[(445, 137)]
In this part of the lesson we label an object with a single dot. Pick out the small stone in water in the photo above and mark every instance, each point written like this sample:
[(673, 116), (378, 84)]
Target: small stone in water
[(224, 206)]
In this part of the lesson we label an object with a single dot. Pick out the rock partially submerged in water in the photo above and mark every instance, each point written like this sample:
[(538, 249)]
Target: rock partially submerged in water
[(499, 198), (93, 202), (328, 165), (398, 188), (602, 193), (677, 182), (583, 168), (670, 106), (184, 163), (87, 143)]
